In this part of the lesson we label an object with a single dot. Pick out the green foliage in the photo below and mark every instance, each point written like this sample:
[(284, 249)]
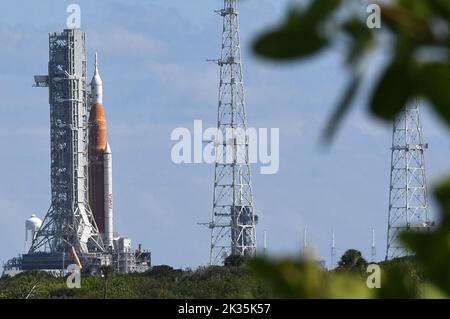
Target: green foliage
[(418, 40), (305, 279), (352, 260), (107, 271), (420, 52), (160, 282), (300, 35), (161, 271), (235, 261), (28, 284), (433, 249), (402, 277)]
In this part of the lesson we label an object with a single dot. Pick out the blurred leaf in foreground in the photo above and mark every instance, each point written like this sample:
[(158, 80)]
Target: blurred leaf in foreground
[(300, 35), (415, 35), (305, 279), (433, 249)]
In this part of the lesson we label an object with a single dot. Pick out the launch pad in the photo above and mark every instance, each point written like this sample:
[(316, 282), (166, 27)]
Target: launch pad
[(78, 227), (123, 261)]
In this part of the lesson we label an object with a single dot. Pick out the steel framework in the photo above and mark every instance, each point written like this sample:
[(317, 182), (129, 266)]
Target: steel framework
[(69, 222), (233, 222), (408, 199)]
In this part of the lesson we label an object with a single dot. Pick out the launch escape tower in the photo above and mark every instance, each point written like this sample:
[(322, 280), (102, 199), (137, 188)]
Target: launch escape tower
[(69, 223), (408, 200), (233, 220)]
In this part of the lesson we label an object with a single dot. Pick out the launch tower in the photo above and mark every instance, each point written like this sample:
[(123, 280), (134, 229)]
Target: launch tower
[(78, 227), (69, 223), (233, 219)]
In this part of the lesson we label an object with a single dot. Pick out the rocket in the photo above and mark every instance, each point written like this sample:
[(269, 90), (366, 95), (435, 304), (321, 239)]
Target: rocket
[(100, 163)]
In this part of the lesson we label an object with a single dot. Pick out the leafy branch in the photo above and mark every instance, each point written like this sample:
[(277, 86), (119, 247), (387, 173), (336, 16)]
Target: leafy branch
[(416, 34), (418, 39)]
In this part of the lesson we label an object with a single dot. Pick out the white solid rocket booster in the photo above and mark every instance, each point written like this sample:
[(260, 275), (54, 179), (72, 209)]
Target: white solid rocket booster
[(107, 158)]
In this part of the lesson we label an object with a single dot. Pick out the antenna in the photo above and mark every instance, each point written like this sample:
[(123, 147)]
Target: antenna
[(305, 239), (265, 243), (333, 251), (373, 250)]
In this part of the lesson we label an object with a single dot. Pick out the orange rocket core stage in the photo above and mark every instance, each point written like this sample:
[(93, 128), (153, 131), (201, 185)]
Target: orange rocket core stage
[(97, 146)]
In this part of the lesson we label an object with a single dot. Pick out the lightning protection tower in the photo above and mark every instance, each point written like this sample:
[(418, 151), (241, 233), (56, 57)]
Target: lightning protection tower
[(233, 219), (69, 224), (333, 251), (373, 248), (408, 200)]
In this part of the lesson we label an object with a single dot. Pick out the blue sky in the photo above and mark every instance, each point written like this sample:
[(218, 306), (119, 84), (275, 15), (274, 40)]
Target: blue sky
[(152, 62)]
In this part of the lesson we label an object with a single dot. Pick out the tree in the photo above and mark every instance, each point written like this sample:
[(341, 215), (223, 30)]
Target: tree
[(235, 261), (161, 271), (352, 260)]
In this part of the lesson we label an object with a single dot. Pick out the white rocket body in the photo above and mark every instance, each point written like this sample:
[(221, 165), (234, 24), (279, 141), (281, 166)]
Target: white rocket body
[(97, 85), (107, 158)]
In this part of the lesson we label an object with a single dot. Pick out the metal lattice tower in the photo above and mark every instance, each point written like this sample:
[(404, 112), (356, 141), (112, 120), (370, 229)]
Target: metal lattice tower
[(408, 200), (233, 223), (69, 222)]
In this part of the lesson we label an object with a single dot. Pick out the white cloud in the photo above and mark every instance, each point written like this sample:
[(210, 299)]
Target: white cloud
[(122, 41), (9, 37), (200, 82)]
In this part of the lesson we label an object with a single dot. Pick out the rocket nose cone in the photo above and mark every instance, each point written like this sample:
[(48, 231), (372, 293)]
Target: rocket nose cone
[(108, 149)]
